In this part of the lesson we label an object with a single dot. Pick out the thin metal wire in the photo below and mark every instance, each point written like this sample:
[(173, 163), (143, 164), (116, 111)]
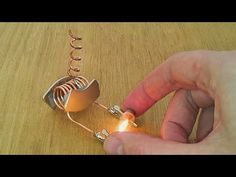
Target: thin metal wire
[(60, 91), (101, 105), (73, 58), (77, 82), (81, 125)]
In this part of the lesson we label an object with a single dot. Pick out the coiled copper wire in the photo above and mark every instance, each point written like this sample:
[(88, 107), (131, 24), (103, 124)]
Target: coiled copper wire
[(76, 82), (74, 58), (62, 90)]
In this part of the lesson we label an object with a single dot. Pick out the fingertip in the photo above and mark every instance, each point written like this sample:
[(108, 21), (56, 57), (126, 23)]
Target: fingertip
[(113, 145), (138, 101)]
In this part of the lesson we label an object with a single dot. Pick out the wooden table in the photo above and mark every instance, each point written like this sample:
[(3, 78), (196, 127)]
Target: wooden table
[(118, 55)]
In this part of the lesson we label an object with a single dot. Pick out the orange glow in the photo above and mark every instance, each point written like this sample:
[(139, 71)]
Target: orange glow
[(123, 125)]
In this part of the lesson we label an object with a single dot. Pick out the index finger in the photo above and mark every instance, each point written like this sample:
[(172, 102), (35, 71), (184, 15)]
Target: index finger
[(189, 70)]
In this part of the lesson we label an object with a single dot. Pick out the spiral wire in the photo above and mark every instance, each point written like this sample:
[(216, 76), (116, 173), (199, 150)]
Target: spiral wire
[(76, 82), (73, 58)]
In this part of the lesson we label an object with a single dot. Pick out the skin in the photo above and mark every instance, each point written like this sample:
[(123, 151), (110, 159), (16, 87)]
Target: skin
[(202, 80)]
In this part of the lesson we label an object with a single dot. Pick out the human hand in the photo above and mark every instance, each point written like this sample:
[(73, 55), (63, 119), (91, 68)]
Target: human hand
[(201, 79)]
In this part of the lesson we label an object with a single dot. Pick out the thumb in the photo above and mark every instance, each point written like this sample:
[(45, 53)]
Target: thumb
[(139, 143)]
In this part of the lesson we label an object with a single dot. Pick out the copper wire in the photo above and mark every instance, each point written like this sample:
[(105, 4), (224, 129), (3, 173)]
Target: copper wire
[(76, 82), (60, 91), (81, 125), (101, 105), (73, 58)]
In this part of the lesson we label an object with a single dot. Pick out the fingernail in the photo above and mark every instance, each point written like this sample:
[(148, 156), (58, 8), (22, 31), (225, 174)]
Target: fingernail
[(113, 146)]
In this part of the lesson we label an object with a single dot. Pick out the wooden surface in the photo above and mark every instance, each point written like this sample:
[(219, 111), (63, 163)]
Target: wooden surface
[(118, 55)]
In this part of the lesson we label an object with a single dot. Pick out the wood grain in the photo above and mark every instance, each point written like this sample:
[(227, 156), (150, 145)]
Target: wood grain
[(118, 55)]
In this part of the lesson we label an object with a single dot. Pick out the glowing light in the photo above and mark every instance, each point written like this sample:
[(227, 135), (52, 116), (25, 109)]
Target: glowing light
[(123, 125)]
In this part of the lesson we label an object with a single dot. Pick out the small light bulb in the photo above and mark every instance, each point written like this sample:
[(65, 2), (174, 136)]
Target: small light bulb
[(123, 125)]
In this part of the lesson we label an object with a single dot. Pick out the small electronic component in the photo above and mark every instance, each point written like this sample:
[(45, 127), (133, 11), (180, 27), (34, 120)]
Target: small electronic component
[(74, 93), (118, 113)]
